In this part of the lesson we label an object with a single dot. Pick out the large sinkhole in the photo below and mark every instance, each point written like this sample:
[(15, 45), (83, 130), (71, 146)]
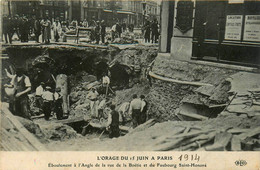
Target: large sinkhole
[(126, 69)]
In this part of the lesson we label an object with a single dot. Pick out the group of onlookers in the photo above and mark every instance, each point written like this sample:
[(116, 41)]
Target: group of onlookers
[(151, 31), (31, 28)]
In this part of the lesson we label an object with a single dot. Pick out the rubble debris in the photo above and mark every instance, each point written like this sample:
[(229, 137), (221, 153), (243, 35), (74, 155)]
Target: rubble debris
[(15, 137), (58, 131)]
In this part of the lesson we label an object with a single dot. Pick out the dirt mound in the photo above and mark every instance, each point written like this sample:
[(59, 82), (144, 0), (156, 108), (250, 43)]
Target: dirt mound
[(57, 131), (33, 128)]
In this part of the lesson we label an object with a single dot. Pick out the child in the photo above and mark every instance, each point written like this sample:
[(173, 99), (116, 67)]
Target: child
[(47, 97), (38, 96)]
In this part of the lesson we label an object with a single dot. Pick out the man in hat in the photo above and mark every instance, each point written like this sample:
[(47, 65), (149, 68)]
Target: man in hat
[(22, 85), (93, 96), (113, 122), (103, 31), (37, 28)]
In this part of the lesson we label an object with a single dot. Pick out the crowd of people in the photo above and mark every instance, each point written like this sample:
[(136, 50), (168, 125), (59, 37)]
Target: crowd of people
[(31, 28), (151, 31), (45, 99)]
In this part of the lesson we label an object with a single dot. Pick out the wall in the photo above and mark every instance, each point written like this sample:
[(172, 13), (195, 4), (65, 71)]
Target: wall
[(181, 43), (164, 26)]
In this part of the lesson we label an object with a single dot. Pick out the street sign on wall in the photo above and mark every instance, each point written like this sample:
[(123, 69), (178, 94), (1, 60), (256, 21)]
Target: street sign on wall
[(233, 27), (252, 28)]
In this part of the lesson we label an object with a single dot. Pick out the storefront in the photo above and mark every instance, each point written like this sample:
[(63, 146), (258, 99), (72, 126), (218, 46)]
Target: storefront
[(222, 31), (227, 31)]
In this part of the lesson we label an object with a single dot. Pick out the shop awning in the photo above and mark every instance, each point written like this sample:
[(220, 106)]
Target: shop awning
[(107, 10), (125, 12)]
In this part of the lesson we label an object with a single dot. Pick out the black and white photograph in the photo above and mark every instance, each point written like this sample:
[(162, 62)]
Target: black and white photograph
[(130, 75)]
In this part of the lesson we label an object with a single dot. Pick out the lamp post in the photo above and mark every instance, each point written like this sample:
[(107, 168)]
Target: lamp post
[(144, 11)]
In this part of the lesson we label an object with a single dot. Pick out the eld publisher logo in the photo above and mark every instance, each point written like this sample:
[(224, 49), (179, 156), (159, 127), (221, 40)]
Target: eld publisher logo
[(240, 163)]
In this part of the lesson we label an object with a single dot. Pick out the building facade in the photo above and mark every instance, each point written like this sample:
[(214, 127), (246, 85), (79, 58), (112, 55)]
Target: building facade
[(222, 31), (128, 11), (40, 8)]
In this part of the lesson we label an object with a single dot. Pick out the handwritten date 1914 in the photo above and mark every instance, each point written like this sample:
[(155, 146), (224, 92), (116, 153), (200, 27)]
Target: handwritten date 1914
[(189, 157)]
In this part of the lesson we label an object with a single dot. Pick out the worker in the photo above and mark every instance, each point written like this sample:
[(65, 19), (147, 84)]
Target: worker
[(105, 82), (58, 103), (123, 109), (101, 107), (144, 107), (135, 110), (113, 122), (93, 96), (19, 105), (47, 97), (38, 96)]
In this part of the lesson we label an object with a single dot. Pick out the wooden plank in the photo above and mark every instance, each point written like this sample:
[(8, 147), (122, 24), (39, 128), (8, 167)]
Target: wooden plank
[(235, 143), (220, 143), (192, 115), (71, 120), (28, 136), (238, 130), (220, 105), (250, 133), (191, 134)]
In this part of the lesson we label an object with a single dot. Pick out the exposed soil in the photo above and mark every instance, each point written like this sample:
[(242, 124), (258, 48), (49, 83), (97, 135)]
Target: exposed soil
[(84, 68)]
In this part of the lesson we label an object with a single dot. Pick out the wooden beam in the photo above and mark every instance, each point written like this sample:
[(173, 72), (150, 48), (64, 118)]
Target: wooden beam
[(192, 115), (178, 81)]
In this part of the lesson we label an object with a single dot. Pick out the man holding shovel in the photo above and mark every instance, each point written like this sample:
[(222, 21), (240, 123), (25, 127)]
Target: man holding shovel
[(113, 122)]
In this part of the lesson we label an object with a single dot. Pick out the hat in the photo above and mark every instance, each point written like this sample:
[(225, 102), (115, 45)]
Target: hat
[(58, 89)]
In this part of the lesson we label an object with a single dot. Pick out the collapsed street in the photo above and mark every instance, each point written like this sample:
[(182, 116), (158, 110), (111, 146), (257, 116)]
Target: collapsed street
[(191, 106)]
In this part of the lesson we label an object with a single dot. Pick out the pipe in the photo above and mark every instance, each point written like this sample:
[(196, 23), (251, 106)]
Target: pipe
[(177, 81)]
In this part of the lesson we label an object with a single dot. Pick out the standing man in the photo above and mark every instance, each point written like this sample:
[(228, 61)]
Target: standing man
[(7, 29), (154, 28), (135, 110), (24, 29), (46, 23), (97, 32), (56, 26), (143, 109), (105, 82), (113, 32), (37, 29), (147, 32), (93, 96), (124, 26), (16, 22), (21, 83), (103, 31), (113, 122), (58, 103), (118, 30)]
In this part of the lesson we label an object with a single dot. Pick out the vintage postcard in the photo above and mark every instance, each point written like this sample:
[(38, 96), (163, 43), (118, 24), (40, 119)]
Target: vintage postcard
[(130, 84)]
